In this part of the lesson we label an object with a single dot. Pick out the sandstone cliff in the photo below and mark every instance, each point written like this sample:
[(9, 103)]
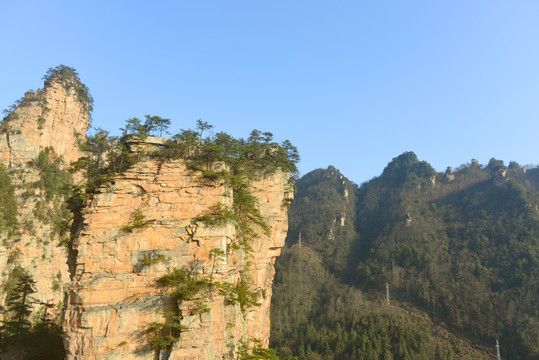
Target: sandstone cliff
[(49, 117), (115, 296), (103, 265)]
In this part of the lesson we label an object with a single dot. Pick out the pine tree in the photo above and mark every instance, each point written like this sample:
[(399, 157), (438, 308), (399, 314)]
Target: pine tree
[(19, 306), (154, 123), (203, 125), (133, 126)]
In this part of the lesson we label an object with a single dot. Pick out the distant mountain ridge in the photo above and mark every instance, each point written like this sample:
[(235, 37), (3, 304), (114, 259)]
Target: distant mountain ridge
[(460, 247)]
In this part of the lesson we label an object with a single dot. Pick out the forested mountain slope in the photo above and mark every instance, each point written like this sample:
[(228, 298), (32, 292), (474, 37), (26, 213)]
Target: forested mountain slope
[(458, 248)]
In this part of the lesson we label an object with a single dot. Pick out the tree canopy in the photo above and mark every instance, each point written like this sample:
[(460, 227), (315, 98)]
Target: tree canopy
[(461, 249)]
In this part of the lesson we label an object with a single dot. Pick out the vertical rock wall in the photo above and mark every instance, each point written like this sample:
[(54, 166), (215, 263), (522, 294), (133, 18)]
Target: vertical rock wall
[(39, 124), (115, 296), (46, 118)]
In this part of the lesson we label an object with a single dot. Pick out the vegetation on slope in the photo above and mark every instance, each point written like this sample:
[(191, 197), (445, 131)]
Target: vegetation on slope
[(316, 316), (69, 78), (464, 250), (53, 193), (8, 203), (244, 160), (28, 330), (461, 247), (37, 338), (325, 198), (64, 75), (33, 334)]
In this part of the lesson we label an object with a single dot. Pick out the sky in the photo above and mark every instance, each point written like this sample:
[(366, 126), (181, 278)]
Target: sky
[(352, 84)]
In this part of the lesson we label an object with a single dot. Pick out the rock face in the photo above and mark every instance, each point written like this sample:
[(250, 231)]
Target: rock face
[(49, 117), (115, 295), (131, 233), (449, 176)]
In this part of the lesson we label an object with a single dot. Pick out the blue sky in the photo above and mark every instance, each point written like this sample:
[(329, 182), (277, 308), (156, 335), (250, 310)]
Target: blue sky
[(351, 83)]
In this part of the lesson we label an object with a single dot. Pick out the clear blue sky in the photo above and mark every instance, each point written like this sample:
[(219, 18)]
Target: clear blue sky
[(351, 83)]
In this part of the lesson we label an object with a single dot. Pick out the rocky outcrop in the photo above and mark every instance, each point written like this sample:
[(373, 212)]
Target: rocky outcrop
[(50, 117), (449, 176), (129, 234), (115, 295)]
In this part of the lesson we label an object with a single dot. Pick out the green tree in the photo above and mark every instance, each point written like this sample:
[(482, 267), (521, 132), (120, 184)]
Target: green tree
[(53, 179), (183, 145), (201, 126), (216, 255), (133, 126), (19, 305), (153, 123), (253, 350), (95, 146), (8, 203), (162, 336)]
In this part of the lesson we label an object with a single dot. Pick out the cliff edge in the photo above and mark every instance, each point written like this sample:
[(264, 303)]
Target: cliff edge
[(38, 139), (116, 295), (143, 247)]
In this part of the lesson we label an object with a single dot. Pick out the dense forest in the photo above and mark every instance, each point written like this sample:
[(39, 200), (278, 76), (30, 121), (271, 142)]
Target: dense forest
[(458, 250)]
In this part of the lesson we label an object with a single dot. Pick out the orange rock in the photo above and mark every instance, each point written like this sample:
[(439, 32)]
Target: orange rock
[(114, 285), (30, 131)]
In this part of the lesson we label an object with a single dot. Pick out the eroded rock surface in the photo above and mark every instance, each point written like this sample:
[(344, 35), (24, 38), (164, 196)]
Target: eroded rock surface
[(111, 272), (50, 117), (115, 296)]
